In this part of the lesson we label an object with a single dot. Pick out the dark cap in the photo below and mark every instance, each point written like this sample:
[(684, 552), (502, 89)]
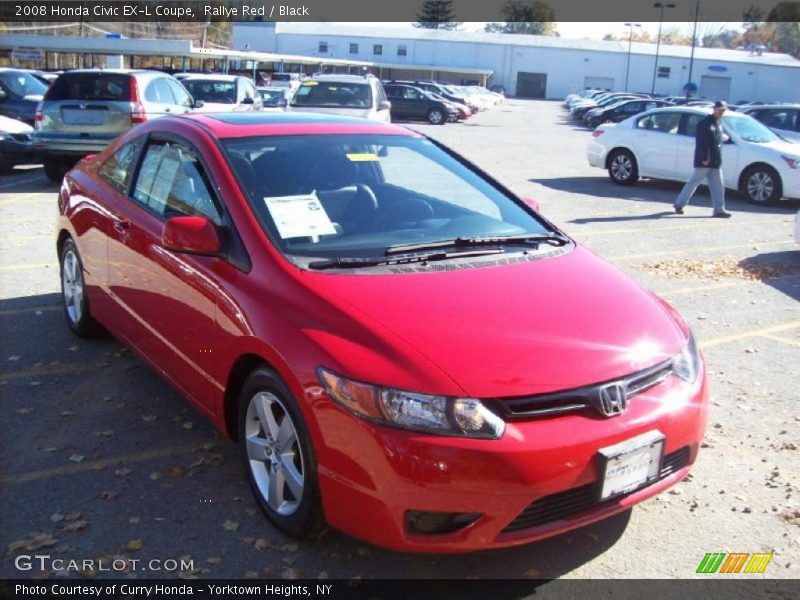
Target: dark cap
[(720, 104)]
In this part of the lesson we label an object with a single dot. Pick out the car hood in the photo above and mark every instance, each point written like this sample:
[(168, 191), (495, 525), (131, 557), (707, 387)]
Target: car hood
[(501, 331), (8, 125), (778, 147)]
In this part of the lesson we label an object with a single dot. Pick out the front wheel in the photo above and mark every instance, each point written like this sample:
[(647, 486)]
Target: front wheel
[(73, 293), (622, 168), (762, 185), (436, 117), (276, 450)]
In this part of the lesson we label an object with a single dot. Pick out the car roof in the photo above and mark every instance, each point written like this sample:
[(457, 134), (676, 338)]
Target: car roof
[(343, 77), (749, 107), (211, 77), (254, 124)]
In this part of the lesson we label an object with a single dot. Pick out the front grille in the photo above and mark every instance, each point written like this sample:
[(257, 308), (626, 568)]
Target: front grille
[(577, 500), (579, 398)]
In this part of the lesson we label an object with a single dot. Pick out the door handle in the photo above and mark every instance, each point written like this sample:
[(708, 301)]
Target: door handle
[(167, 109), (122, 227)]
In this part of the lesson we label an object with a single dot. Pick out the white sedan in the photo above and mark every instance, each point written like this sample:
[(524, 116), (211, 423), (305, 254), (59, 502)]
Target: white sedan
[(660, 143)]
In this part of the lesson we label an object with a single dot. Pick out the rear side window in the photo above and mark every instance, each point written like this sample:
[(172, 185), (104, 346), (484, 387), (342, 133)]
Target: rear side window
[(159, 91), (182, 97), (665, 122), (91, 86), (22, 84), (172, 183), (116, 171)]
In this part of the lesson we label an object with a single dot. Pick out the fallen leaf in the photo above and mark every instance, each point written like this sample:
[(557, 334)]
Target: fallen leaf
[(108, 433), (77, 458), (13, 358), (175, 472), (155, 475), (56, 517), (188, 575), (322, 575), (149, 418), (251, 575), (214, 560), (230, 525), (75, 525), (67, 413), (262, 543), (188, 425), (34, 542), (135, 545), (109, 495), (251, 512), (134, 520), (23, 411), (292, 574), (122, 472), (290, 548), (533, 573), (289, 560), (73, 516)]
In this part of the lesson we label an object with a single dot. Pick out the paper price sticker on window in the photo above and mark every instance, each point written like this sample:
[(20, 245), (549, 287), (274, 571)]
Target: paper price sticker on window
[(299, 216)]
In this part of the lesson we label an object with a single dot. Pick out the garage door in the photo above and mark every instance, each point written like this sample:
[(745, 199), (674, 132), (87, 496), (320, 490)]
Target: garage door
[(600, 83), (531, 85), (715, 88)]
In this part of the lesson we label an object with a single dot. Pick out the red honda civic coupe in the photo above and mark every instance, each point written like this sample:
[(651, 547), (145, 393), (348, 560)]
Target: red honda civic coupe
[(403, 348)]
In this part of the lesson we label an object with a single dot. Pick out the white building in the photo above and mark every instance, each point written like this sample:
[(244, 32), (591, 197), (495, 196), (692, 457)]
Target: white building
[(534, 66)]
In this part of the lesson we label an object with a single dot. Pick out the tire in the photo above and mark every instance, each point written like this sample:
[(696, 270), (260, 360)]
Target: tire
[(271, 464), (622, 168), (762, 185), (436, 117), (55, 169), (73, 293)]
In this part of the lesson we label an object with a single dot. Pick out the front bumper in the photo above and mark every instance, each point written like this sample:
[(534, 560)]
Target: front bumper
[(370, 476)]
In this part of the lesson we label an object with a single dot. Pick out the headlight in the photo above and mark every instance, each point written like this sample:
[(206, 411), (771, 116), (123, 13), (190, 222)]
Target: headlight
[(687, 364), (439, 415)]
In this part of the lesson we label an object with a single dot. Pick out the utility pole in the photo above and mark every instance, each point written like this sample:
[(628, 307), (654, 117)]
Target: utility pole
[(694, 41), (630, 43), (662, 6)]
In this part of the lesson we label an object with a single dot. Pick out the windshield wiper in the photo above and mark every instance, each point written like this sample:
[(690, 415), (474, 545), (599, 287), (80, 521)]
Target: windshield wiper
[(352, 262), (525, 239)]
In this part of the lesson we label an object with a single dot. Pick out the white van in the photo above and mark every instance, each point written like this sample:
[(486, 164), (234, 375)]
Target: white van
[(347, 95)]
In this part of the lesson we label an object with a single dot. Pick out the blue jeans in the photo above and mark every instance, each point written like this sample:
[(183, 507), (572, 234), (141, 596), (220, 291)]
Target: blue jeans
[(714, 177)]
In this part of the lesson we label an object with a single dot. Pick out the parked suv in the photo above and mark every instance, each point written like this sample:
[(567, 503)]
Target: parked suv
[(84, 110), (223, 93), (20, 92), (410, 102), (351, 95)]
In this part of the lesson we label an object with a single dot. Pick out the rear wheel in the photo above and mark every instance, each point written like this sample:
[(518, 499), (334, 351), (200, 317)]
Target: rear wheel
[(73, 293), (55, 169), (622, 168), (276, 451), (762, 184), (436, 117)]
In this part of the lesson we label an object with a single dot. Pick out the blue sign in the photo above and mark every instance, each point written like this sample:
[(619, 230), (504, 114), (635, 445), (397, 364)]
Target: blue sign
[(717, 68), (690, 87)]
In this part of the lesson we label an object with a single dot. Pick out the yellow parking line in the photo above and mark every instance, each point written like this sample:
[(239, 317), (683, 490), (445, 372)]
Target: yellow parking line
[(775, 338), (748, 334), (699, 249), (650, 229), (96, 465), (46, 371), (27, 266), (32, 309)]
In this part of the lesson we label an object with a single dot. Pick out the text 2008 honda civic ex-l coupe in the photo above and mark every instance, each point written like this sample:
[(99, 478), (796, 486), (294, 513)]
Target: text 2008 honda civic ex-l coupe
[(402, 347)]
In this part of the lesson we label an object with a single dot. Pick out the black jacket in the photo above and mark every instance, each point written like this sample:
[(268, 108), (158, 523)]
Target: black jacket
[(708, 141)]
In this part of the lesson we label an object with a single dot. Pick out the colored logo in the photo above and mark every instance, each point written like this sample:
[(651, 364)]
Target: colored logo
[(733, 562)]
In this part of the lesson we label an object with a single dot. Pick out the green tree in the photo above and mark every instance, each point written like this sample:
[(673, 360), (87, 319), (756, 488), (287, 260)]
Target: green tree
[(532, 18), (785, 21), (436, 14)]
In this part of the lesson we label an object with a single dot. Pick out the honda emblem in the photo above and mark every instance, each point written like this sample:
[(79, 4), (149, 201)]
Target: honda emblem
[(612, 399)]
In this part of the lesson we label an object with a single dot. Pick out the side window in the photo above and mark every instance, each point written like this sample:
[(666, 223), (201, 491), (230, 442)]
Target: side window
[(182, 97), (159, 91), (690, 124), (381, 95), (117, 169), (665, 122), (172, 183)]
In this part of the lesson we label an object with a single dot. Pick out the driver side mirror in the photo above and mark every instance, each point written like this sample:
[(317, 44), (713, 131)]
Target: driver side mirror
[(248, 100), (385, 105), (192, 235), (281, 103), (532, 204), (198, 104), (726, 139)]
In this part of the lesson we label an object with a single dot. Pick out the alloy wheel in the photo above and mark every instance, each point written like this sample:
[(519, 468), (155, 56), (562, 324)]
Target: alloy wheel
[(760, 186), (621, 167), (274, 454), (72, 279)]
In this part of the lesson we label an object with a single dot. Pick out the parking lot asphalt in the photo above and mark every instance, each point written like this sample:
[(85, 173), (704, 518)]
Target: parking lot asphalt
[(100, 458)]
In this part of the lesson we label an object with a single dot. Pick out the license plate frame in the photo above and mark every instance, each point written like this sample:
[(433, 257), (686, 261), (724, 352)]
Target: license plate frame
[(630, 465)]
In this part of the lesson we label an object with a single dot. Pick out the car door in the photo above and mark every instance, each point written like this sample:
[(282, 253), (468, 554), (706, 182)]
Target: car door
[(686, 144), (183, 100), (400, 108), (159, 100), (169, 298), (656, 143), (417, 104)]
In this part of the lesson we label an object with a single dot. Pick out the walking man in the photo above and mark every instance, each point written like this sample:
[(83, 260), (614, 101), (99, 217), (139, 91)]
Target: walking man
[(707, 163)]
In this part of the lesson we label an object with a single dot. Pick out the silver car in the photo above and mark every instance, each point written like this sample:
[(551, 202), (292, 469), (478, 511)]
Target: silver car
[(783, 119), (84, 110)]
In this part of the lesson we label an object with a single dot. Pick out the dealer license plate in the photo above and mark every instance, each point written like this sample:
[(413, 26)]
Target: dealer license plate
[(631, 464)]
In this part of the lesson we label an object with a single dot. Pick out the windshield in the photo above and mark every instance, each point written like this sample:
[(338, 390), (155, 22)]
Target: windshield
[(22, 84), (326, 196), (749, 129), (208, 90), (333, 93)]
